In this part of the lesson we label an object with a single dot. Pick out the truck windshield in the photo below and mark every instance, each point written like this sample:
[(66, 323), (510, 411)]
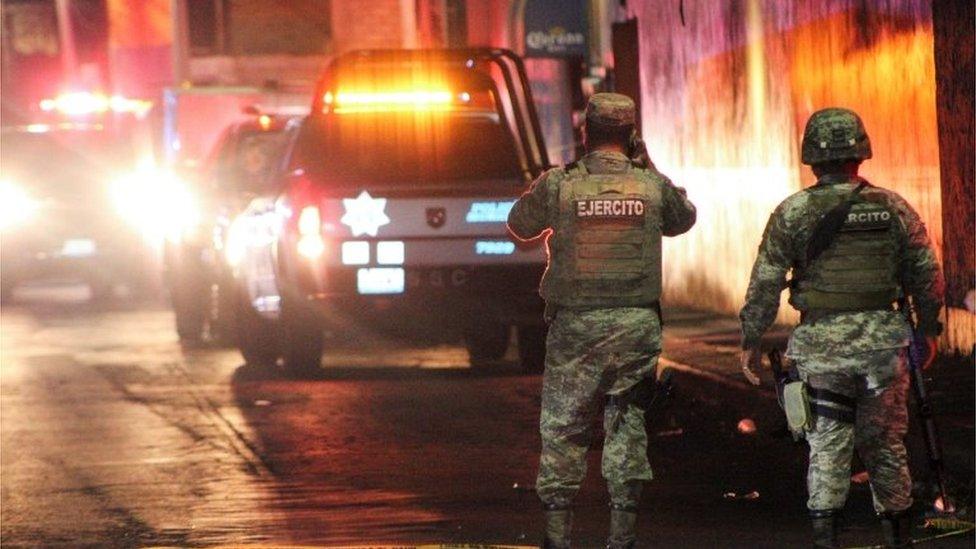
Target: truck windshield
[(256, 160), (406, 148)]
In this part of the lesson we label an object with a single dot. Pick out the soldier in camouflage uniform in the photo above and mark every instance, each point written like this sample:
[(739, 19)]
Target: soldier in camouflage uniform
[(606, 216), (850, 346)]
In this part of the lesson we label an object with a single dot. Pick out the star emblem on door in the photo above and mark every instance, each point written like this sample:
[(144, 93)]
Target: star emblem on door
[(364, 214)]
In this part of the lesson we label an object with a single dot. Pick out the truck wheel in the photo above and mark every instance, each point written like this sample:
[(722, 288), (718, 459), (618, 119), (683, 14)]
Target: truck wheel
[(190, 299), (301, 339), (486, 342), (189, 291), (256, 336), (532, 348), (223, 310)]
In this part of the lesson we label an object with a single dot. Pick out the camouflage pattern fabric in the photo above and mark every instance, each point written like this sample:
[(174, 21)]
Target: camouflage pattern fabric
[(783, 247), (878, 381), (589, 356), (859, 353), (611, 109), (537, 209), (834, 134)]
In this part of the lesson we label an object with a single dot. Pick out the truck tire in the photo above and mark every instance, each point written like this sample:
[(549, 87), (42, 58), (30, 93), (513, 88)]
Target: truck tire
[(189, 292), (256, 336), (301, 339), (532, 348), (222, 312), (486, 342), (190, 310)]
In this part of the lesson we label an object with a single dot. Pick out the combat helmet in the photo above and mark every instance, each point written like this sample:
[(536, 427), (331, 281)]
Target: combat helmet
[(835, 134)]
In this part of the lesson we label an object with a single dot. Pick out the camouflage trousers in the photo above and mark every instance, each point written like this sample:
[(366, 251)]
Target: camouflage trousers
[(878, 381), (591, 355)]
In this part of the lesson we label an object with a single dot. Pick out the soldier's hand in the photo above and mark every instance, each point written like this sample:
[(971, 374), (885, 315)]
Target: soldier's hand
[(751, 362)]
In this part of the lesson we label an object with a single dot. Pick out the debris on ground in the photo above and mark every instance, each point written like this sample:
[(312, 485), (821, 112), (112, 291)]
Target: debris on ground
[(750, 496), (747, 426)]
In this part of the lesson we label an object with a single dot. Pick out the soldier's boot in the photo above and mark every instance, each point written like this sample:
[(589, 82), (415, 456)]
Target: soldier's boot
[(623, 531), (559, 527), (824, 524), (897, 529)]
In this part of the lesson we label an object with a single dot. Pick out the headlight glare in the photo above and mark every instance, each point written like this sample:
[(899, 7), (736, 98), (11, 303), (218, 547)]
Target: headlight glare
[(157, 203), (17, 206)]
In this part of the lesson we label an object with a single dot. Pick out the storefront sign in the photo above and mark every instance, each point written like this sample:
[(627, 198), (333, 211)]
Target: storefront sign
[(556, 28)]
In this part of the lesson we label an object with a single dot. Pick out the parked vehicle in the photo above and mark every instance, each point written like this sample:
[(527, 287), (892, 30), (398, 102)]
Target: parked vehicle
[(67, 208), (241, 168), (395, 195)]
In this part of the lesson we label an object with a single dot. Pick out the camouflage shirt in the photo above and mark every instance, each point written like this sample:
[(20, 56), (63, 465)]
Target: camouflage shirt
[(537, 209), (784, 244)]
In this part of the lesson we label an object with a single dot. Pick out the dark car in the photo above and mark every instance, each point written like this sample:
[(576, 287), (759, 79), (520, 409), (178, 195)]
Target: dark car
[(395, 195), (66, 210), (242, 167)]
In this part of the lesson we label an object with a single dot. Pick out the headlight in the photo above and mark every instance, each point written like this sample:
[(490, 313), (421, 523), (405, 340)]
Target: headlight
[(16, 205), (157, 203), (250, 231)]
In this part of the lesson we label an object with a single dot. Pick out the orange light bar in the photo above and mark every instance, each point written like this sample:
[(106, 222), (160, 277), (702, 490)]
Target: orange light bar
[(392, 100)]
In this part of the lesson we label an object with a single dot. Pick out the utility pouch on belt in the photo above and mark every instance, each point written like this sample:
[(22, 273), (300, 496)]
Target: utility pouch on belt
[(796, 404), (792, 395)]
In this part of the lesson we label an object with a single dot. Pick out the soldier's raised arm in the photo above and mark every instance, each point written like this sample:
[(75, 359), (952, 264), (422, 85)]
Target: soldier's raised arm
[(921, 273), (678, 213), (532, 212)]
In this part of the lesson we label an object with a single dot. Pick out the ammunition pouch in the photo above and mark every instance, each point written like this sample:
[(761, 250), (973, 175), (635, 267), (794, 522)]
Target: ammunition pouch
[(796, 404)]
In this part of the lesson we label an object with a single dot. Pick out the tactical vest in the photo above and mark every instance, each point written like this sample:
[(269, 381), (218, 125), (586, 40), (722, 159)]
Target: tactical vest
[(605, 250), (859, 271)]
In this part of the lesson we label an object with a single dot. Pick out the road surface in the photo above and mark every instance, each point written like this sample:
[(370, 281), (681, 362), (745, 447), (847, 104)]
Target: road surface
[(113, 435)]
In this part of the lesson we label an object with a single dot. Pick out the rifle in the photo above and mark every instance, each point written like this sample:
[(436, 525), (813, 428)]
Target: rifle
[(917, 353)]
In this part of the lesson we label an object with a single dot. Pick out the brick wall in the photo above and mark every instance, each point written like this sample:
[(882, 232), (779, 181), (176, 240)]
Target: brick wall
[(374, 24)]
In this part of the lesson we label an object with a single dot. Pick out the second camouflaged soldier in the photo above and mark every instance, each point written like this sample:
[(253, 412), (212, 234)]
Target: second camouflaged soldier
[(850, 346), (602, 287)]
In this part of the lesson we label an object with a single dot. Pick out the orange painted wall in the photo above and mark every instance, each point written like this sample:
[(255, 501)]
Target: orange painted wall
[(726, 91)]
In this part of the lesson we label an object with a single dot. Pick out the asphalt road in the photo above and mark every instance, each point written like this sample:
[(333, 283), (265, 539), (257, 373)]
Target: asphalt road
[(112, 434)]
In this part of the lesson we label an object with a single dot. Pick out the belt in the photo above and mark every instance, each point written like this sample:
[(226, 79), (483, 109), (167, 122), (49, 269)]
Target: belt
[(837, 301), (812, 316)]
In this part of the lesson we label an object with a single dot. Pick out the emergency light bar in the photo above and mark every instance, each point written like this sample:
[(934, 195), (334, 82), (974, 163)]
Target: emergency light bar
[(88, 103), (344, 101)]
